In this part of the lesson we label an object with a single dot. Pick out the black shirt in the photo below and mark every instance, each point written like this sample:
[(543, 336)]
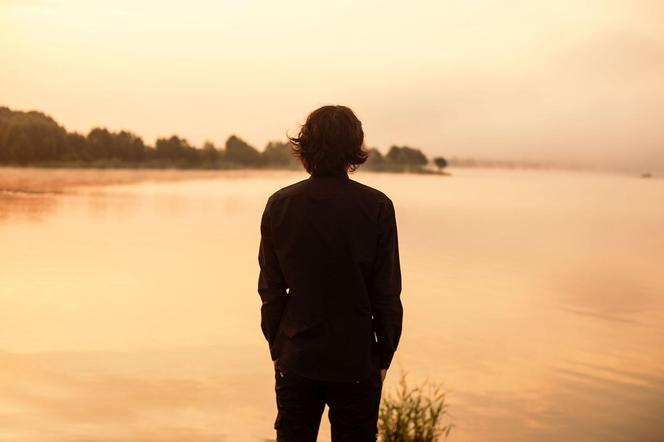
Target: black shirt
[(330, 278)]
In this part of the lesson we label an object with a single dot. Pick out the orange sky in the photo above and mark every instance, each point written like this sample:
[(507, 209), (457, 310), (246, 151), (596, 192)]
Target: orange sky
[(566, 81)]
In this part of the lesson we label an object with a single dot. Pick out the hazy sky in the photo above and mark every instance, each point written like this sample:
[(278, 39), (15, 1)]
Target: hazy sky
[(564, 80)]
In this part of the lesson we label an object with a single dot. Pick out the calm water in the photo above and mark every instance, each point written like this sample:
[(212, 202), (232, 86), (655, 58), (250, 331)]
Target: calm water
[(130, 312)]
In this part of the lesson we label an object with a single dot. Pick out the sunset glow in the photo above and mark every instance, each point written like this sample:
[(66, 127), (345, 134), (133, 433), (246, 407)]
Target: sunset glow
[(567, 82)]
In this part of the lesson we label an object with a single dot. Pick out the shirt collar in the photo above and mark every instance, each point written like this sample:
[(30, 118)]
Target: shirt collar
[(342, 174)]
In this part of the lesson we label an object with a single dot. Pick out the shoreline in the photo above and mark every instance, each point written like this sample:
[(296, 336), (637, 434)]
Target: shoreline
[(48, 180)]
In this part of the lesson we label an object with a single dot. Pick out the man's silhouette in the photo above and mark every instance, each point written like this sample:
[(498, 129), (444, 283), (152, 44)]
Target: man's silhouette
[(330, 285)]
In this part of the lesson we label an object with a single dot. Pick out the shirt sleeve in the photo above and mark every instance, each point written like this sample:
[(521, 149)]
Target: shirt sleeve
[(386, 287), (271, 282)]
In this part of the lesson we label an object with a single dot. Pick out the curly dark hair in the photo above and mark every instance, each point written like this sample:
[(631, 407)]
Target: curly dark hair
[(331, 141)]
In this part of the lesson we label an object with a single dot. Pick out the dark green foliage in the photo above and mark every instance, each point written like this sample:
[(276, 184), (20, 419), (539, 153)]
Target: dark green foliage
[(123, 145), (210, 154), (175, 149), (277, 153), (28, 135), (33, 138), (407, 156), (414, 414), (75, 148), (440, 162), (240, 152), (398, 159), (376, 160)]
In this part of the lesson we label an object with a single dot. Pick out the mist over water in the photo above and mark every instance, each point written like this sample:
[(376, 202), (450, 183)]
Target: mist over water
[(129, 311)]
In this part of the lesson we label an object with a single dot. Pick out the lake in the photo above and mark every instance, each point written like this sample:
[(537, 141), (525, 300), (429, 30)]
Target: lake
[(129, 310)]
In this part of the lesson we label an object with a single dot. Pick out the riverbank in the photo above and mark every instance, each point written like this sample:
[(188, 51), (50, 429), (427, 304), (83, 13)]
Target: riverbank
[(58, 180)]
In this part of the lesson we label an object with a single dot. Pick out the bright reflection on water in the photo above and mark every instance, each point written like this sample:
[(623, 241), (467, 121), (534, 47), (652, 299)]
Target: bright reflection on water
[(130, 313)]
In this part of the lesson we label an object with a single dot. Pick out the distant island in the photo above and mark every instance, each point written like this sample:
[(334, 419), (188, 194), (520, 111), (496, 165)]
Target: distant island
[(33, 139)]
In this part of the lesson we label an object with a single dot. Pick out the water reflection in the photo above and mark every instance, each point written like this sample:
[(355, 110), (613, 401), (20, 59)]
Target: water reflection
[(128, 311), (25, 206)]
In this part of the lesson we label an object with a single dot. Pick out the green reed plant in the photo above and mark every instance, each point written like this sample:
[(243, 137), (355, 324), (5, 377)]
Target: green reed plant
[(414, 414)]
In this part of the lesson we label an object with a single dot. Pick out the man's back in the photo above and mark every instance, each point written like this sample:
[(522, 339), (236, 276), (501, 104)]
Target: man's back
[(331, 244), (330, 285)]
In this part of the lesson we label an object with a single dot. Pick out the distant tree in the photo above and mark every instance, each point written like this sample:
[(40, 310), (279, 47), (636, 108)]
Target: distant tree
[(440, 163), (19, 148), (278, 153), (33, 137), (29, 136), (240, 152), (127, 146), (100, 143), (210, 154), (76, 148), (175, 148), (376, 160), (406, 156)]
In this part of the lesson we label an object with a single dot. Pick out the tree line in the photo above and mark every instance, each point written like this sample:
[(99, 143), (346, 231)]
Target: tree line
[(35, 139)]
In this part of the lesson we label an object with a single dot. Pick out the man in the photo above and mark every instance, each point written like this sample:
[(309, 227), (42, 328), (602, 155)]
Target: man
[(330, 285)]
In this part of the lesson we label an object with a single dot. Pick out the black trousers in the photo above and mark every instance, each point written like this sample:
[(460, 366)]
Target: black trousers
[(353, 408)]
